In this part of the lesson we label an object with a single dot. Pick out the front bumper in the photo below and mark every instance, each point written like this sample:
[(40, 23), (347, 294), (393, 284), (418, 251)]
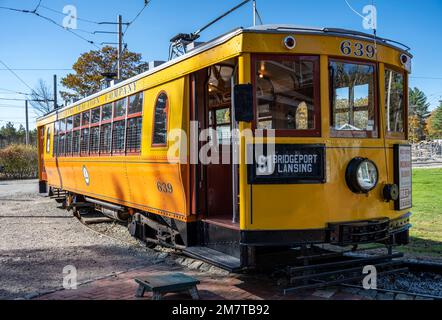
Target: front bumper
[(370, 231), (343, 234)]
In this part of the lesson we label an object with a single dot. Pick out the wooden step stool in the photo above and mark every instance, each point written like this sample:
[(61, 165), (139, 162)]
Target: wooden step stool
[(170, 283)]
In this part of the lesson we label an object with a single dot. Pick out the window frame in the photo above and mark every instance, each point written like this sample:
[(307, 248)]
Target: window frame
[(121, 152), (74, 130), (137, 152), (135, 114), (352, 134), (131, 116), (82, 128), (315, 133), (103, 123), (48, 140), (166, 144), (71, 132), (91, 127), (55, 140), (62, 137), (118, 119), (405, 111)]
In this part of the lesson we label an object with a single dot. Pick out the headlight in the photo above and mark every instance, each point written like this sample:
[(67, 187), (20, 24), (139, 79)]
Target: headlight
[(362, 175)]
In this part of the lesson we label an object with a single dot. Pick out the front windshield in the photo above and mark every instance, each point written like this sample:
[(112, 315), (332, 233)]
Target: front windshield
[(353, 103)]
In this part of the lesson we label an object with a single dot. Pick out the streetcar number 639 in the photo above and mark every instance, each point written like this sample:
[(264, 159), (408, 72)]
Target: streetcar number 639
[(357, 49)]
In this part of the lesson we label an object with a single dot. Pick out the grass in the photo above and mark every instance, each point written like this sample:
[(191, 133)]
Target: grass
[(427, 214)]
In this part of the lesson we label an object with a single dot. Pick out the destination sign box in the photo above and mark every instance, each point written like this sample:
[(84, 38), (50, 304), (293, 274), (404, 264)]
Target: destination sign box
[(403, 176), (286, 164)]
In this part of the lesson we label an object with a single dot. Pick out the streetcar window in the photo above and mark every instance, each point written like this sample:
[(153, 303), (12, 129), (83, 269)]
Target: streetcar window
[(395, 101), (118, 137), (57, 127), (160, 120), (133, 135), (287, 94), (76, 142), (95, 140), (61, 137), (77, 120), (120, 108), (69, 143), (220, 120), (353, 99), (84, 142), (61, 145), (68, 138), (85, 118), (95, 116), (56, 131), (48, 140), (62, 125), (136, 103), (55, 148), (69, 124), (106, 112), (105, 138)]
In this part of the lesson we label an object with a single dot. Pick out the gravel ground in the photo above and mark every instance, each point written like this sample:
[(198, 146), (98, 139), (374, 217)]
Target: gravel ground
[(421, 283), (37, 240)]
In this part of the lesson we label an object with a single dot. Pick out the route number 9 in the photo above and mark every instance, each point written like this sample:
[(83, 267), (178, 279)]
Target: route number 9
[(357, 49)]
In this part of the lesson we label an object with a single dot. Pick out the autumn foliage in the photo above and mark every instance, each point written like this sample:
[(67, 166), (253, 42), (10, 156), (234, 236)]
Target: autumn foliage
[(18, 162), (90, 66)]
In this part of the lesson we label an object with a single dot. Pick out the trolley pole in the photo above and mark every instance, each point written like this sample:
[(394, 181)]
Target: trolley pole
[(27, 122), (254, 13), (120, 46)]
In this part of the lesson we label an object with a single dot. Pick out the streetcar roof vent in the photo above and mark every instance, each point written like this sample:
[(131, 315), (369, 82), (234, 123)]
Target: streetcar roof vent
[(114, 82), (193, 45), (154, 64)]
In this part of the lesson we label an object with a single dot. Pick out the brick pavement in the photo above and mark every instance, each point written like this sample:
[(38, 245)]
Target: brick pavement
[(212, 287)]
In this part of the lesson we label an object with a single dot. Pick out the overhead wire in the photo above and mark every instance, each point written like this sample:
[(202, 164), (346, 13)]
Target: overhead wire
[(34, 12), (16, 75), (146, 3)]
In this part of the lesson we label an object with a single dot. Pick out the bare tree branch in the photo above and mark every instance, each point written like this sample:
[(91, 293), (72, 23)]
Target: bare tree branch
[(42, 92)]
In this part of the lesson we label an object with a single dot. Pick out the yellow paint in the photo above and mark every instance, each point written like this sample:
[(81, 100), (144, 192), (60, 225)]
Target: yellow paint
[(132, 180)]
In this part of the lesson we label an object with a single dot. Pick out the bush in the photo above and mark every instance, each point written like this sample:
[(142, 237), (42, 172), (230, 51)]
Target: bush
[(19, 162)]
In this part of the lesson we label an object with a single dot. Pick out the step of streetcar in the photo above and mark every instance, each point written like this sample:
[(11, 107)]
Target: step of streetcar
[(94, 217), (222, 260)]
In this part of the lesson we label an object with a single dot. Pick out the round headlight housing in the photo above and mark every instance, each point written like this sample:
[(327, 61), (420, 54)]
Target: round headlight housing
[(362, 175)]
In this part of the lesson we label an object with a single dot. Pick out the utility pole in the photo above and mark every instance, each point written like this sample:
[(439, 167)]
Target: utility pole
[(55, 92), (120, 46), (27, 122)]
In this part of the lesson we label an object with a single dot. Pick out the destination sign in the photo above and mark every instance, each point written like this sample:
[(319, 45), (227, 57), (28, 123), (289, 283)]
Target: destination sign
[(403, 176), (287, 164)]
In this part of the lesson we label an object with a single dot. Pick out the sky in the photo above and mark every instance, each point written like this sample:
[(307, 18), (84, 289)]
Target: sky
[(35, 48)]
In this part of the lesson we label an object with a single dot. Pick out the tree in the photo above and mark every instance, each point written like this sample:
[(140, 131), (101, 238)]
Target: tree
[(434, 124), (45, 98), (413, 129), (92, 64), (418, 111), (10, 135)]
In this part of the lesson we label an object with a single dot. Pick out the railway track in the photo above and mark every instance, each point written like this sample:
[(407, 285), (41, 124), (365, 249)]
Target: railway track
[(398, 293), (397, 278)]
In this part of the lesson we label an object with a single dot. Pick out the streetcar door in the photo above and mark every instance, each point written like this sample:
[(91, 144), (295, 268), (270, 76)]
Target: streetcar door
[(213, 103)]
